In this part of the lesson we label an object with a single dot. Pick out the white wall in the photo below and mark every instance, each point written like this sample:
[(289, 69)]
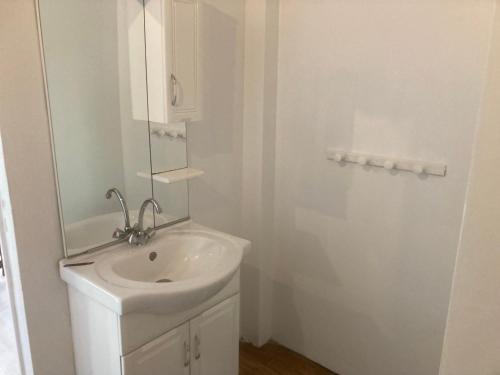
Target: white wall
[(350, 267), (25, 136), (472, 343), (364, 258)]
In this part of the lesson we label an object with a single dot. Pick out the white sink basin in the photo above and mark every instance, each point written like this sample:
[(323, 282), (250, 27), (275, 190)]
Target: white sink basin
[(178, 269)]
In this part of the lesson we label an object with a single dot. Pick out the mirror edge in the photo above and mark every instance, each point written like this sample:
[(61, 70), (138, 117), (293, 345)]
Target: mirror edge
[(51, 131)]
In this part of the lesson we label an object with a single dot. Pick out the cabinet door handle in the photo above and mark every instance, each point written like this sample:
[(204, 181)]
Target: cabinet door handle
[(197, 353), (173, 85), (186, 354)]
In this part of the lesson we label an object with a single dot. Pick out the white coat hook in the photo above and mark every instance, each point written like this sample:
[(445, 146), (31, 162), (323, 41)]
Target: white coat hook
[(389, 164), (338, 157), (362, 160), (418, 169)]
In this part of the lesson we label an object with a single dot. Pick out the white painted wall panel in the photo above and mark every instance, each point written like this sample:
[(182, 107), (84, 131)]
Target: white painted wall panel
[(363, 259)]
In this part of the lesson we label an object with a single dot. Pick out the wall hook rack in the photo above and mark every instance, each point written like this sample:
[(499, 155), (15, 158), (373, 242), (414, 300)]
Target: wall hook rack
[(175, 130), (418, 167)]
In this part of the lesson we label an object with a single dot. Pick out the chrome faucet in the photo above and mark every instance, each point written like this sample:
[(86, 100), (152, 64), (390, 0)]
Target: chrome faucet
[(124, 233), (139, 235)]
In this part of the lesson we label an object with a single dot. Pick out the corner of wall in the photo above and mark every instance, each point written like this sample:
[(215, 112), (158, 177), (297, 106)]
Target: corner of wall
[(259, 142), (457, 340)]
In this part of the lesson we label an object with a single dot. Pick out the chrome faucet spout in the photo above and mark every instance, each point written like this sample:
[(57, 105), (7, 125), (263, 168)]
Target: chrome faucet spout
[(142, 211), (141, 236), (123, 204)]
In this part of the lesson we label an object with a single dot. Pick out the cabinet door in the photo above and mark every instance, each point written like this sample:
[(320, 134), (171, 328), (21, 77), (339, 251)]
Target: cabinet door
[(167, 355), (173, 64), (185, 82), (215, 340)]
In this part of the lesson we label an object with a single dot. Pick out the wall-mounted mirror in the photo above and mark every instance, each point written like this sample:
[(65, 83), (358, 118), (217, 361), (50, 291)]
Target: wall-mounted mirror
[(95, 61)]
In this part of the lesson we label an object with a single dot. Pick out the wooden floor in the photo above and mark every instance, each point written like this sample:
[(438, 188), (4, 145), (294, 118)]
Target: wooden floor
[(274, 359)]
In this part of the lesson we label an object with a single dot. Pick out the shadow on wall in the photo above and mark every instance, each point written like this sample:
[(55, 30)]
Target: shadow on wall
[(327, 318), (311, 299), (250, 276), (340, 298)]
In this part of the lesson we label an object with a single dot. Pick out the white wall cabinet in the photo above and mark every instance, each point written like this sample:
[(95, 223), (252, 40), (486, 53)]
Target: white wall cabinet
[(173, 60), (206, 345)]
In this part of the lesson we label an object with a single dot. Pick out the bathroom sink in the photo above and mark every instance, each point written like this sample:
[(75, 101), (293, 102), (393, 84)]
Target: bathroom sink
[(178, 269), (180, 258)]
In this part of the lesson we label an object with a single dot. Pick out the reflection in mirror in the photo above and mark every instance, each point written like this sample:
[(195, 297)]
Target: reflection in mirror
[(174, 86), (168, 147), (168, 153), (173, 198), (96, 79), (98, 145), (173, 64)]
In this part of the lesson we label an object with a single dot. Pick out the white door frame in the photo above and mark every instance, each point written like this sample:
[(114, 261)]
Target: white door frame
[(12, 274)]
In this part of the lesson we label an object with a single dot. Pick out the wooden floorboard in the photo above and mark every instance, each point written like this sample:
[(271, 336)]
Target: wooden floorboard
[(274, 359)]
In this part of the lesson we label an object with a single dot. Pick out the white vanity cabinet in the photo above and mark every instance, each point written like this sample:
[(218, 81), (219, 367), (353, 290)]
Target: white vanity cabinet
[(170, 307), (206, 345), (203, 340), (173, 60)]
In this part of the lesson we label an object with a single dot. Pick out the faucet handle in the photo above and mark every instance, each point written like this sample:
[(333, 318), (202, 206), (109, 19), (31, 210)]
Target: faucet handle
[(133, 239), (141, 238), (120, 234), (150, 232)]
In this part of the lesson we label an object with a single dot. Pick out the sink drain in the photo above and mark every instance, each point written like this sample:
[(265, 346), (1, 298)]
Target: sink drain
[(164, 281)]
